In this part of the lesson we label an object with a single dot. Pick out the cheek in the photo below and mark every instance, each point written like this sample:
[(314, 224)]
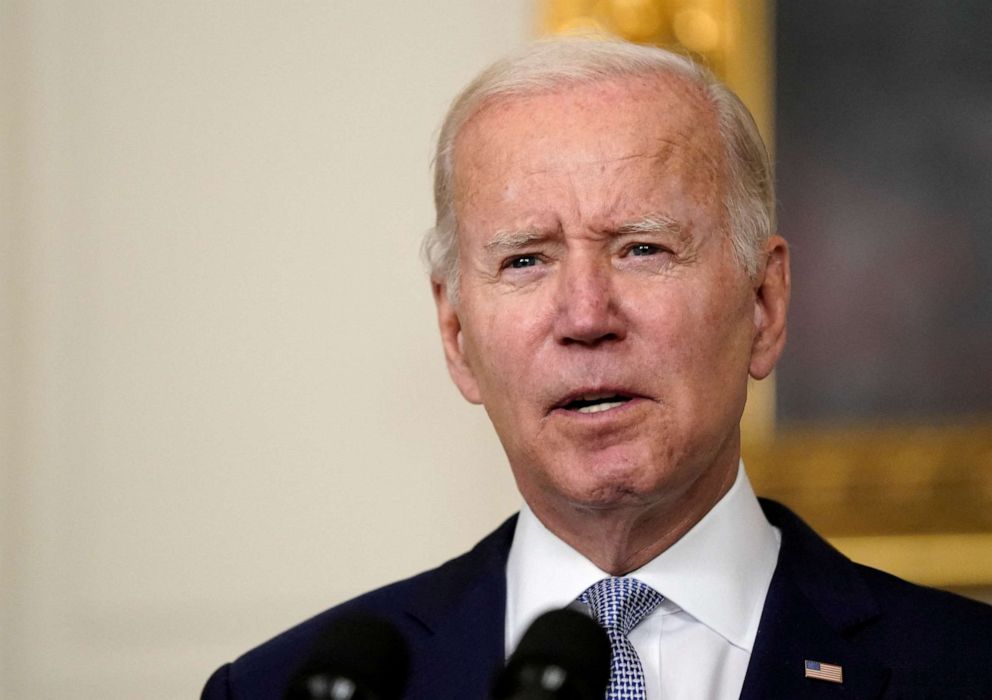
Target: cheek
[(723, 367), (499, 353), (675, 328), (697, 335)]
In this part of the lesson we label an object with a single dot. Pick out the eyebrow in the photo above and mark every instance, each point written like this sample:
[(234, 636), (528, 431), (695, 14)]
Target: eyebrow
[(512, 240), (653, 223)]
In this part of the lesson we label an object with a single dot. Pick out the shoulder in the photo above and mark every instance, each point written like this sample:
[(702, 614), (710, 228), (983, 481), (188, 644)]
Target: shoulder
[(920, 633), (822, 570), (931, 639), (949, 630), (409, 604)]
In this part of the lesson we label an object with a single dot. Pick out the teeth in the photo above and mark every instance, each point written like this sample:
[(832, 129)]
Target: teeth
[(597, 407)]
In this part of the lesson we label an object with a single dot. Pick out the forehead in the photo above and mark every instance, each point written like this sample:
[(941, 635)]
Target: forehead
[(664, 120)]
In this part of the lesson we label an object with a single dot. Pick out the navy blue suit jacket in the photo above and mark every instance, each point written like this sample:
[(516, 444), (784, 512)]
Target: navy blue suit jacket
[(893, 639)]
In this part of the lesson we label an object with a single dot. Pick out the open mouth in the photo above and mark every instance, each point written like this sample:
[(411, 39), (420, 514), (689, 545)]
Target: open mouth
[(595, 403)]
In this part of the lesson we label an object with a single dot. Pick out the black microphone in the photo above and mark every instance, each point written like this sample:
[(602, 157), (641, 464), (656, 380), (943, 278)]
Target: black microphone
[(564, 655), (356, 657)]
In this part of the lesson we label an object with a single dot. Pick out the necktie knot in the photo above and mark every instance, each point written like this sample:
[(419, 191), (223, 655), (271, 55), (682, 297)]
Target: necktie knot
[(620, 603)]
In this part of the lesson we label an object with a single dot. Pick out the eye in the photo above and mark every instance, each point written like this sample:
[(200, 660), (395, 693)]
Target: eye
[(518, 262), (642, 249)]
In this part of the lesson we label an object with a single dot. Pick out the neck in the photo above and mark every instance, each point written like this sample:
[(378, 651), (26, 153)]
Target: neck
[(623, 538)]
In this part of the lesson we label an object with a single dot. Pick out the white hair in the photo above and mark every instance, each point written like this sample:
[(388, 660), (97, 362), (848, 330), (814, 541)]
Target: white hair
[(550, 65)]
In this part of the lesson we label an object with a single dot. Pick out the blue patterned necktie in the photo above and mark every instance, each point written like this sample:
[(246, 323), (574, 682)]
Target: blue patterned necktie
[(619, 604)]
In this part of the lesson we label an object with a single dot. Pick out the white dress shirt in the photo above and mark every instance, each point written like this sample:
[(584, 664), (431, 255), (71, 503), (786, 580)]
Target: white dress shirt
[(698, 642)]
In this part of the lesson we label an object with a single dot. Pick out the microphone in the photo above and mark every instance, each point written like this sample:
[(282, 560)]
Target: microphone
[(356, 657), (563, 655)]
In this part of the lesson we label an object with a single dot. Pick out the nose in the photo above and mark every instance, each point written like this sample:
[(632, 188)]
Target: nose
[(587, 307)]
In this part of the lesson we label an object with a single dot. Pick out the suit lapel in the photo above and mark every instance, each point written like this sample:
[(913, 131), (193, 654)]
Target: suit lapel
[(790, 633), (463, 619), (816, 603)]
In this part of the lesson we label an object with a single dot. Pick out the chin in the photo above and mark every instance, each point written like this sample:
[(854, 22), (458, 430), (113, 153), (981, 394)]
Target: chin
[(610, 497), (614, 483)]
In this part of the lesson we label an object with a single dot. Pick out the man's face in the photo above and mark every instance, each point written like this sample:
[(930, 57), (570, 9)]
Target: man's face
[(603, 321)]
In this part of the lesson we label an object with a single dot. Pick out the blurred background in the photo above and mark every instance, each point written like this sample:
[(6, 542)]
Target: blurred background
[(224, 405)]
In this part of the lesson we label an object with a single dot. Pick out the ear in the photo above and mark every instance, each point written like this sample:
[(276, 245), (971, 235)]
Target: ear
[(454, 345), (771, 303)]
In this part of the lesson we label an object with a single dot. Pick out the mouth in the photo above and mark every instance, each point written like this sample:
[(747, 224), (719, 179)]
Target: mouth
[(594, 402)]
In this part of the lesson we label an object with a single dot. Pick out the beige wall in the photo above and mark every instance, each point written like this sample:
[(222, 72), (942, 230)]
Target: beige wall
[(224, 402)]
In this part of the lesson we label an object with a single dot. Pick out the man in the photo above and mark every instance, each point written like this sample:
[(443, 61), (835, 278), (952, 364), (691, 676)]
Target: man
[(606, 279)]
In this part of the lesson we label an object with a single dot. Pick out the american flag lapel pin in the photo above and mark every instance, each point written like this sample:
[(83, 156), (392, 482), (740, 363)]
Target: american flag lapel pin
[(824, 672)]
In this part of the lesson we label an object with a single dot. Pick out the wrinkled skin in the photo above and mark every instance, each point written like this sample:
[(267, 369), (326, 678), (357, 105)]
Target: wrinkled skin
[(571, 287)]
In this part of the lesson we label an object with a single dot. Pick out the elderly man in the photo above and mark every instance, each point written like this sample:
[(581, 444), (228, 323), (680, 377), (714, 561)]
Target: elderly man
[(607, 277)]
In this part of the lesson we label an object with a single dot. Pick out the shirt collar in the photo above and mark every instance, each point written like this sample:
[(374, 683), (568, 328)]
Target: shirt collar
[(718, 572)]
